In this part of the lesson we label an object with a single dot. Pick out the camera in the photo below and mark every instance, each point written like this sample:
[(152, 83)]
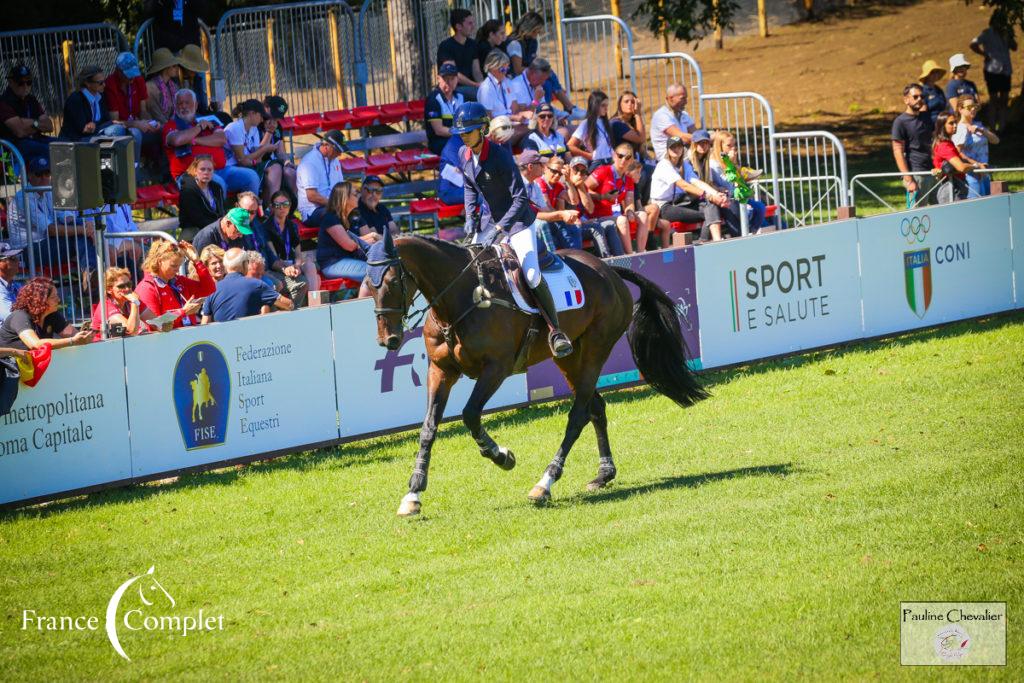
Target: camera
[(116, 330)]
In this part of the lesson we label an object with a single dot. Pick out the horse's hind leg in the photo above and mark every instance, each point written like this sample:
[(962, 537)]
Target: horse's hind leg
[(439, 385), (490, 379), (606, 470)]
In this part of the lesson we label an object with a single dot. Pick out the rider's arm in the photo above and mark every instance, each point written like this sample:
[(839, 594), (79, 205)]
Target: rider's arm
[(472, 205)]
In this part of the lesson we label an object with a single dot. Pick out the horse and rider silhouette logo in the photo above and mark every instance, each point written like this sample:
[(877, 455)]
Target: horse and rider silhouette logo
[(202, 394), (146, 584)]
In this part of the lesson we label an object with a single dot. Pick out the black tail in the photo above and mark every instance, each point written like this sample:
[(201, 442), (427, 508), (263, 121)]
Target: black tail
[(659, 349)]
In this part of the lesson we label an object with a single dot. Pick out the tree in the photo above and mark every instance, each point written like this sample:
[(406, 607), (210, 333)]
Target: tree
[(688, 20)]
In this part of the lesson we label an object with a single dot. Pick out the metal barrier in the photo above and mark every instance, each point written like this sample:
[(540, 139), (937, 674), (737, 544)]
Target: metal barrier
[(601, 58), (301, 51), (920, 200), (122, 249), (55, 54), (14, 176), (655, 73), (812, 176)]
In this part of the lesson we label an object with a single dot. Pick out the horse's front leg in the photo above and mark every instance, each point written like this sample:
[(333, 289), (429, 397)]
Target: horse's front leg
[(439, 386), (488, 383)]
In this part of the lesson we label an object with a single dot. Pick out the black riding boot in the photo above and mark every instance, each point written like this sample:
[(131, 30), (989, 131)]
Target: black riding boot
[(560, 344)]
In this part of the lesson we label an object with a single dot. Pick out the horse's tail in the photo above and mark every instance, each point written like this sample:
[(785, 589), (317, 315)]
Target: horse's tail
[(657, 343)]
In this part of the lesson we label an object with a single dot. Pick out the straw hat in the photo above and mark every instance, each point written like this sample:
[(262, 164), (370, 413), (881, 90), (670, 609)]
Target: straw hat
[(160, 60), (928, 67), (192, 59)]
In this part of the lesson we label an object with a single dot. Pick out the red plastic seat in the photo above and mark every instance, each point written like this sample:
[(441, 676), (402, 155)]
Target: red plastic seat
[(450, 210), (420, 158), (306, 232), (353, 165), (679, 226), (381, 163), (770, 210), (417, 109), (337, 283), (287, 123), (392, 113), (307, 123), (424, 205), (149, 196), (365, 116), (337, 120)]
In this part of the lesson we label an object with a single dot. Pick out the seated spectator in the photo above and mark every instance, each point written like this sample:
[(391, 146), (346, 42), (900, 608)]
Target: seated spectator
[(675, 198), (238, 296), (671, 120), (958, 84), (723, 144), (125, 94), (319, 171), (118, 218), (461, 50), (374, 216), (10, 265), (521, 46), (948, 163), (628, 123), (193, 70), (282, 235), (552, 215), (340, 252), (162, 86), (912, 144), (185, 137), (592, 139), (126, 314), (528, 88), (175, 22), (995, 44), (23, 120), (246, 146), (613, 190), (257, 268), (546, 139), (213, 257), (201, 201), (973, 139), (35, 320), (721, 212), (489, 37), (934, 98), (293, 286), (498, 96), (441, 105), (451, 184), (277, 168), (233, 230), (164, 290), (85, 111)]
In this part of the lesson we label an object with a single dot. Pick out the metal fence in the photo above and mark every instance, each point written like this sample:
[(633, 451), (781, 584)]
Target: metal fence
[(812, 176), (302, 51), (55, 55), (654, 73), (601, 55)]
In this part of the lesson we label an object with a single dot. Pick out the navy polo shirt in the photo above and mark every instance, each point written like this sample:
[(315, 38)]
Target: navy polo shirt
[(377, 220), (238, 296)]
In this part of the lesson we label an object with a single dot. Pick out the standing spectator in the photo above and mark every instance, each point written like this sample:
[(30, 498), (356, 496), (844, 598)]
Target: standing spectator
[(946, 158), (282, 234), (521, 46), (202, 200), (340, 252), (124, 308), (671, 120), (460, 49), (246, 145), (23, 121), (10, 264), (185, 137), (721, 212), (912, 145), (490, 36), (613, 191), (230, 231), (163, 290), (374, 216), (592, 139), (934, 97), (162, 86), (972, 140), (85, 111), (995, 44), (124, 95), (238, 296), (319, 171), (959, 85), (441, 105), (677, 199), (724, 145), (546, 140), (213, 257), (175, 22), (35, 320)]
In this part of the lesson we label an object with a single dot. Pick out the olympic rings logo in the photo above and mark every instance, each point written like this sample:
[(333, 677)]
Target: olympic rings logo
[(915, 229)]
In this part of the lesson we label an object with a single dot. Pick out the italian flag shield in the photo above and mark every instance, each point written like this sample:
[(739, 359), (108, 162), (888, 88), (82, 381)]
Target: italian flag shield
[(917, 272)]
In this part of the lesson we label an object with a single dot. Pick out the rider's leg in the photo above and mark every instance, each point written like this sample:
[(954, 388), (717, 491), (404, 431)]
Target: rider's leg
[(524, 243)]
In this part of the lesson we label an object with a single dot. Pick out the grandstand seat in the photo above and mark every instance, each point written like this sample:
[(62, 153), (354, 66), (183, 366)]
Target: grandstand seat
[(678, 226), (421, 206), (417, 109), (353, 165), (307, 123), (306, 232), (148, 197), (365, 116), (337, 283), (395, 112), (338, 119), (287, 124), (381, 163), (416, 159)]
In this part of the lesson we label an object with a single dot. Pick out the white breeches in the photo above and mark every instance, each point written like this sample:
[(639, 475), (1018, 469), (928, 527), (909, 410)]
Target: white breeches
[(524, 243)]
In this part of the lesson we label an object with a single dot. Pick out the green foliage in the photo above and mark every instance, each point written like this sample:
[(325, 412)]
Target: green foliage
[(1008, 15), (687, 20)]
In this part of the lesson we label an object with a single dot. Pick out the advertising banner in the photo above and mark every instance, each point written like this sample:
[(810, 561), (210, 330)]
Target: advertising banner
[(380, 389), (1017, 223), (935, 265), (673, 270), (70, 431), (223, 391), (778, 293)]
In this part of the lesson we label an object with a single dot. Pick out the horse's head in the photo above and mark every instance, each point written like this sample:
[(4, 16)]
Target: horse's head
[(392, 288)]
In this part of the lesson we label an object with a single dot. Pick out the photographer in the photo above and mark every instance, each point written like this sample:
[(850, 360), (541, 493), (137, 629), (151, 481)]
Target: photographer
[(126, 314)]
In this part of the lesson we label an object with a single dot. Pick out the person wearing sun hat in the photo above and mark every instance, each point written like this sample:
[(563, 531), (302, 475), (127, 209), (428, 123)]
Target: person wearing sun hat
[(194, 68), (958, 83), (162, 85), (934, 98)]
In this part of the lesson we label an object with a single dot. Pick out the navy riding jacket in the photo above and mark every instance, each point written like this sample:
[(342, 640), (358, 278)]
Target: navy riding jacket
[(495, 180)]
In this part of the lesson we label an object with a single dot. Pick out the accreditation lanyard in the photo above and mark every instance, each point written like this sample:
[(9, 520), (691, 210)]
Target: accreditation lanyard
[(501, 91)]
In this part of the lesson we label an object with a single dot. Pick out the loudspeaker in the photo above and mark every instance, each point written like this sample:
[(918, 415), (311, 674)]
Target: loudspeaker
[(117, 168), (75, 176)]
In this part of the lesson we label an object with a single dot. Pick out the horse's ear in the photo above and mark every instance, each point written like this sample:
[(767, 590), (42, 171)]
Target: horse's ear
[(389, 243)]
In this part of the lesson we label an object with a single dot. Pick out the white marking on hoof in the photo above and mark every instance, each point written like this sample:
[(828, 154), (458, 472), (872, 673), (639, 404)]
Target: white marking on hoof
[(410, 505)]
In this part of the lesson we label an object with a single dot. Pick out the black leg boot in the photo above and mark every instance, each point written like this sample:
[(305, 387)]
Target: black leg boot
[(560, 344)]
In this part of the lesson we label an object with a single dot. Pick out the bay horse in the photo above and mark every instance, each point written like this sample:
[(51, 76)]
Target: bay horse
[(488, 343)]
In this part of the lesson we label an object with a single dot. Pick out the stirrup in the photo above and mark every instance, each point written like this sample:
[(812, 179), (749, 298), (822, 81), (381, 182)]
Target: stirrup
[(560, 344)]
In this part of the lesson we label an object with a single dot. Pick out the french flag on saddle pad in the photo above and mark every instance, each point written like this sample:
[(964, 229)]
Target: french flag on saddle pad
[(573, 297)]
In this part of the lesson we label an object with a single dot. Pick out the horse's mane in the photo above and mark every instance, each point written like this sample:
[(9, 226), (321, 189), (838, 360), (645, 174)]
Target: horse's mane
[(450, 248)]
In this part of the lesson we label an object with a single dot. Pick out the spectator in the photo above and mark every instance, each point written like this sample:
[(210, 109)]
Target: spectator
[(230, 231), (521, 46), (490, 37), (551, 215), (238, 296), (23, 121), (676, 198), (293, 285), (565, 189), (972, 140), (721, 213), (10, 265), (959, 85), (934, 98), (193, 69), (246, 146), (278, 169), (35, 320), (441, 105), (213, 257), (163, 290), (671, 120), (340, 252), (603, 231), (257, 268), (628, 122), (592, 139), (995, 44), (282, 235), (374, 216), (118, 218), (497, 94), (85, 111), (947, 160), (460, 49), (545, 139), (450, 185), (614, 198), (319, 171), (124, 308), (723, 144), (202, 201), (539, 73), (185, 136), (175, 22), (162, 86), (124, 96), (912, 146)]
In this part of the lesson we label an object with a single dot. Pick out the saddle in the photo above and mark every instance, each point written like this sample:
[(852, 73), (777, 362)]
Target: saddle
[(549, 263)]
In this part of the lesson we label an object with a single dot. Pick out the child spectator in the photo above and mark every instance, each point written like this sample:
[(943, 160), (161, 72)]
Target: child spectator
[(973, 139), (947, 160), (592, 139), (724, 145)]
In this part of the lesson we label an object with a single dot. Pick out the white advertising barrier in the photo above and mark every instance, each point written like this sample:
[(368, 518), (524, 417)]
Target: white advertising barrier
[(379, 389), (1017, 223), (70, 431), (935, 265), (233, 390), (778, 293)]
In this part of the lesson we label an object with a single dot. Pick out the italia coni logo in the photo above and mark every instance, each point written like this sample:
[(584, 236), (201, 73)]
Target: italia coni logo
[(917, 263), (127, 614)]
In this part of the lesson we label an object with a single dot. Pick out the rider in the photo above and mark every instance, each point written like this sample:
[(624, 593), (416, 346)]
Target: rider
[(492, 178)]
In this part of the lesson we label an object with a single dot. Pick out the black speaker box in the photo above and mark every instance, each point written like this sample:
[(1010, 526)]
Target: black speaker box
[(75, 176), (117, 168)]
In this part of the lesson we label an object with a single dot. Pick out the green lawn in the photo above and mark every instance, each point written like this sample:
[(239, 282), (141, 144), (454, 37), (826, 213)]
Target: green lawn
[(769, 532)]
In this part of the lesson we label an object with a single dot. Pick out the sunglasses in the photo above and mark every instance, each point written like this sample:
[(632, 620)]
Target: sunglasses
[(554, 169), (914, 97), (545, 116), (281, 205), (123, 286), (581, 169), (374, 190), (623, 156)]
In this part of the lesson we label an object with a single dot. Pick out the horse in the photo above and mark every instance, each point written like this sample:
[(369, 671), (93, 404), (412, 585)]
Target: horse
[(466, 336)]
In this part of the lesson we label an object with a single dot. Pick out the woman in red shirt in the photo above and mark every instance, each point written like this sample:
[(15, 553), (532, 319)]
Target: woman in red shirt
[(124, 307), (947, 159), (163, 290)]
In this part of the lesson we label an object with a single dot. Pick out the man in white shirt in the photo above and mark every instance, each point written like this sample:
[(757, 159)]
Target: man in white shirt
[(671, 120), (318, 172)]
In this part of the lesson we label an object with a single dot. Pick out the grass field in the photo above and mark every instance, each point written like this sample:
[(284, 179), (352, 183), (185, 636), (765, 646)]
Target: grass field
[(769, 532)]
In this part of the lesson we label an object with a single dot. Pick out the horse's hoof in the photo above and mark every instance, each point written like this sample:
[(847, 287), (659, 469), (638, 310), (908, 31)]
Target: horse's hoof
[(508, 459), (409, 508), (596, 484), (539, 495)]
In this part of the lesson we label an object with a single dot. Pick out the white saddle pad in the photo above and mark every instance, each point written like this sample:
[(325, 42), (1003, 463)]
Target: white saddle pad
[(565, 288)]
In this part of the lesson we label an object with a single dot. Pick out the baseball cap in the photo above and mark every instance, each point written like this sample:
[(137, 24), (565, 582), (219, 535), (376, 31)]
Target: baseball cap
[(277, 107), (372, 179), (128, 65), (579, 161), (38, 165), (528, 156), (7, 251), (240, 217), (958, 60), (700, 135), (253, 106), (544, 108), (448, 69), (19, 71), (335, 139), (674, 140)]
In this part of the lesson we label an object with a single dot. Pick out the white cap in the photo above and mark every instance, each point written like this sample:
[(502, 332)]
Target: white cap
[(956, 61)]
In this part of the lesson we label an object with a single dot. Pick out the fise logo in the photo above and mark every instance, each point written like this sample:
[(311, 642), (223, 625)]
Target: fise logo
[(917, 263), (202, 394), (775, 294)]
